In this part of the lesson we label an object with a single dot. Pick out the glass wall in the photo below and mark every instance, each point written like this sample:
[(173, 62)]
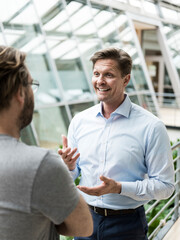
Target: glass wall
[(59, 37), (50, 123), (172, 33), (60, 25)]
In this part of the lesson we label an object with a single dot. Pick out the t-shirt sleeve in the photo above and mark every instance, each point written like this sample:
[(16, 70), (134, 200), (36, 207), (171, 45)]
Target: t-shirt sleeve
[(54, 193)]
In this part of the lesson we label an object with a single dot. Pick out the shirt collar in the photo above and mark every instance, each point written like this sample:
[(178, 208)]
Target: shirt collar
[(124, 109)]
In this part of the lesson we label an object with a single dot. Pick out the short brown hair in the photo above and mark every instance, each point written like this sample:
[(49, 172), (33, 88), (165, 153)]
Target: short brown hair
[(13, 73), (123, 59)]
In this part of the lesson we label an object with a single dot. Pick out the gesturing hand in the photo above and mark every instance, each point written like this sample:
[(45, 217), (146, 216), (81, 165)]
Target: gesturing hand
[(108, 186), (67, 154)]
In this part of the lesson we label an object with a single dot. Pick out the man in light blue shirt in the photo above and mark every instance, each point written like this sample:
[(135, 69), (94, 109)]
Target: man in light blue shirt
[(124, 154)]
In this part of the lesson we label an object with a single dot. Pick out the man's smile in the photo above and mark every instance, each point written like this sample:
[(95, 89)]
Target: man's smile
[(103, 89)]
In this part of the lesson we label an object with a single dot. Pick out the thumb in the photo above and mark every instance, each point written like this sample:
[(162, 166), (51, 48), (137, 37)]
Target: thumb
[(59, 151), (104, 179), (64, 141)]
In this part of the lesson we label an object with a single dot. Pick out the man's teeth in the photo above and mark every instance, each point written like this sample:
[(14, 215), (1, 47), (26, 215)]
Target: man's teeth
[(103, 90)]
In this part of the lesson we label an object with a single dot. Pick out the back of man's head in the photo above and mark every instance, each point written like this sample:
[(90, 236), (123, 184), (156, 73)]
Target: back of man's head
[(13, 73)]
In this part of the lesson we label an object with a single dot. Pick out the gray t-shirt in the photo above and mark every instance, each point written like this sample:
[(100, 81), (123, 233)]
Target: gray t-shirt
[(36, 191)]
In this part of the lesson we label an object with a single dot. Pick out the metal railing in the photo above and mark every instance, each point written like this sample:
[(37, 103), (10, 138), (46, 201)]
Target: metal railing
[(168, 105), (169, 108), (169, 210)]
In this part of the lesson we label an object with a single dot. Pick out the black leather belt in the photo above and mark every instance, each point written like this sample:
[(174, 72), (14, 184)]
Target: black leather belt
[(110, 212)]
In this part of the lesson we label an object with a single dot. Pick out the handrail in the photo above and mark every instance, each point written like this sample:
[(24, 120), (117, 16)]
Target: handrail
[(168, 105), (174, 146), (174, 200)]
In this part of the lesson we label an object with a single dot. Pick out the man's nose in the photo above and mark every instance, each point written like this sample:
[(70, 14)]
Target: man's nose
[(100, 79)]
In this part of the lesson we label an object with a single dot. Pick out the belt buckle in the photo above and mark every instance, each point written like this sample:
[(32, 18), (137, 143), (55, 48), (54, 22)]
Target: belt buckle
[(95, 210), (105, 212)]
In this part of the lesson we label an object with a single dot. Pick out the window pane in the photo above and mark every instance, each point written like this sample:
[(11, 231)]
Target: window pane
[(80, 18), (127, 44), (50, 124), (169, 14), (106, 27), (123, 1), (27, 135), (136, 3), (2, 42), (64, 48), (172, 33), (10, 8), (150, 8), (76, 108), (88, 41), (44, 6), (23, 32)]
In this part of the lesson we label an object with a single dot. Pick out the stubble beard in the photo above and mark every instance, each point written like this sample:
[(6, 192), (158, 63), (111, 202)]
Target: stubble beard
[(26, 115)]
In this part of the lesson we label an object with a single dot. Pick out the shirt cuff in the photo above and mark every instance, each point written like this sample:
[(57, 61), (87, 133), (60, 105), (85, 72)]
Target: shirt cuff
[(128, 189), (74, 173)]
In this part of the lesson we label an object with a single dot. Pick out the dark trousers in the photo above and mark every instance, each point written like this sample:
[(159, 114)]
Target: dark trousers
[(129, 226)]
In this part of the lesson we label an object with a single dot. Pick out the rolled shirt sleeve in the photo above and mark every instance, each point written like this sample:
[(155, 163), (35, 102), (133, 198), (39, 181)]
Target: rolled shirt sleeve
[(159, 183)]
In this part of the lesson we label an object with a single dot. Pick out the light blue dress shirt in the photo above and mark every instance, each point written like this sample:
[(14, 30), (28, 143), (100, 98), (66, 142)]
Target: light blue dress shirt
[(131, 147)]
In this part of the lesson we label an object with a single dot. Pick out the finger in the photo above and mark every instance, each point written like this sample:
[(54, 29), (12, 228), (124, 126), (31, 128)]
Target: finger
[(60, 151), (75, 157), (70, 155), (65, 153), (87, 190), (64, 141), (95, 191), (72, 161)]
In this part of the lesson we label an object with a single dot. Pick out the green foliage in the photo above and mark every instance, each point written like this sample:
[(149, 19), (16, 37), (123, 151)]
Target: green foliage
[(159, 206), (154, 212), (65, 238), (77, 180), (174, 153)]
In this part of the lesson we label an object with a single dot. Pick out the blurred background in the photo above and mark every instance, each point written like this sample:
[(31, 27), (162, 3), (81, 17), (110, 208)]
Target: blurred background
[(59, 37)]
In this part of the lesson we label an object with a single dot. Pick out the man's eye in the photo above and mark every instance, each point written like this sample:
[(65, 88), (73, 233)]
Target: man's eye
[(96, 74), (109, 75)]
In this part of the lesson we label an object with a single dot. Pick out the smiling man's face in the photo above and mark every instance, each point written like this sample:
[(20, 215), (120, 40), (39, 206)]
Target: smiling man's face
[(107, 81)]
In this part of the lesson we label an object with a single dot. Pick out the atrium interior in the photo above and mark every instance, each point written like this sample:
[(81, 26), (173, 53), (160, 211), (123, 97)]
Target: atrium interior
[(60, 36)]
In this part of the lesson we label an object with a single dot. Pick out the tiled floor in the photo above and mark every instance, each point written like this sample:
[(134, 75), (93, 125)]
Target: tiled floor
[(174, 134), (170, 116), (174, 232)]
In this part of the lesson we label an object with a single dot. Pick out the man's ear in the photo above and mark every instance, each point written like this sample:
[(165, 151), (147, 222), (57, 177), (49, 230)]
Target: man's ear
[(127, 79), (20, 95)]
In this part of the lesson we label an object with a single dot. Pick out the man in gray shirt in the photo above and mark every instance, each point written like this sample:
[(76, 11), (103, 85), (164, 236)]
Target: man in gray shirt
[(38, 199)]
